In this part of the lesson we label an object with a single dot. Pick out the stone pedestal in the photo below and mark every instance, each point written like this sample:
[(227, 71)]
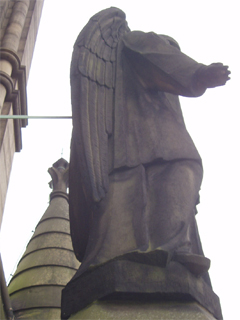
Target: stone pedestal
[(141, 310), (122, 289)]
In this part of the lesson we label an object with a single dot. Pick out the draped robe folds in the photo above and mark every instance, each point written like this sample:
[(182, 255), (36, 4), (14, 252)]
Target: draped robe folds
[(150, 154)]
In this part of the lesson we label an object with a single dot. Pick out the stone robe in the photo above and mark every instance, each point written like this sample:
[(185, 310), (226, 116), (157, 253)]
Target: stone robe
[(155, 170)]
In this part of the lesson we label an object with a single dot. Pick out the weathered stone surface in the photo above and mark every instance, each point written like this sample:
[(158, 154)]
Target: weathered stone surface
[(135, 173), (36, 297), (41, 275), (49, 256), (49, 261), (39, 314), (121, 279), (141, 310), (52, 239)]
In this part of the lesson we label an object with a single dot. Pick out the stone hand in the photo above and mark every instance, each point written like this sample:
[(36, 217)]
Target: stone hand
[(214, 75)]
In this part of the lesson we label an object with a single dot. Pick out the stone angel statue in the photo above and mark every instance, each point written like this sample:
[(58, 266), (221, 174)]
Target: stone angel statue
[(135, 172)]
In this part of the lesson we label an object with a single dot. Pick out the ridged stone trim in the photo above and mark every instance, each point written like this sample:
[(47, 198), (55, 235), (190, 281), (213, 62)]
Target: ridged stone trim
[(48, 262)]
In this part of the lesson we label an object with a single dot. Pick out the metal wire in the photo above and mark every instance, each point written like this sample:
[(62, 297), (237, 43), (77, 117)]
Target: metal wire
[(33, 117)]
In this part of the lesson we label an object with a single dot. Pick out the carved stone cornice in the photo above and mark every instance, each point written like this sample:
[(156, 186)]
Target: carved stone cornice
[(17, 96), (18, 73)]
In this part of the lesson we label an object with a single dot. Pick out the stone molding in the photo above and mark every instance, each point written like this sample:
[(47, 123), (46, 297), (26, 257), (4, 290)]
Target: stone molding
[(18, 97), (61, 194)]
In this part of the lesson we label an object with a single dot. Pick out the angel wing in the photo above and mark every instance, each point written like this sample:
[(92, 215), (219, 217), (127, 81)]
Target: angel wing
[(93, 82), (92, 93)]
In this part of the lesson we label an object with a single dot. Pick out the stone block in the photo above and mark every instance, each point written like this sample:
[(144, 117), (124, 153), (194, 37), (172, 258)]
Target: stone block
[(141, 310), (127, 280)]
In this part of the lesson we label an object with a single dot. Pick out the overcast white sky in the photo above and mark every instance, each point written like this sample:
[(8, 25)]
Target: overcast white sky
[(207, 31)]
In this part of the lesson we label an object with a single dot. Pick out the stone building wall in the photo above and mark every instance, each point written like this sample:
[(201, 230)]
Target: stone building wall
[(19, 21)]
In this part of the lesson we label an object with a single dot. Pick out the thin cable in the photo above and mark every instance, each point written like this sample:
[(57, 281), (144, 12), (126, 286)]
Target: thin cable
[(33, 117)]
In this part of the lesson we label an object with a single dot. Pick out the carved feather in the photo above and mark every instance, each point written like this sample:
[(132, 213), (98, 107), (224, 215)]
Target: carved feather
[(95, 52)]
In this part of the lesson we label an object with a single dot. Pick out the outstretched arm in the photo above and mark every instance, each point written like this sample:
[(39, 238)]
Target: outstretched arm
[(163, 67)]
